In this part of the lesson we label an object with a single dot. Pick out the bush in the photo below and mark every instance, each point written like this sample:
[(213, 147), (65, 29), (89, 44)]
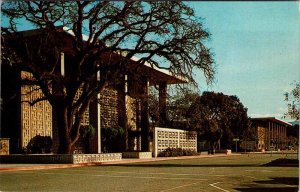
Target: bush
[(176, 152), (39, 144), (112, 139), (87, 132)]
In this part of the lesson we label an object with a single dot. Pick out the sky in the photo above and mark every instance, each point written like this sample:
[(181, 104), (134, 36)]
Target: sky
[(256, 49)]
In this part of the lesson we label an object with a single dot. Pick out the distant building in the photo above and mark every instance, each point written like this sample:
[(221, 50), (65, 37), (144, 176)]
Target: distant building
[(271, 133)]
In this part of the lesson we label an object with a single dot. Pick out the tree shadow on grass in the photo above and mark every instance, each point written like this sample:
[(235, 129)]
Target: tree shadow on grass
[(263, 189), (292, 181), (281, 180)]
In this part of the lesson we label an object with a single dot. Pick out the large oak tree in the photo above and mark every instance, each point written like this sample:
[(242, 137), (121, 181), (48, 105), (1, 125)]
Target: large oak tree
[(218, 117), (165, 33)]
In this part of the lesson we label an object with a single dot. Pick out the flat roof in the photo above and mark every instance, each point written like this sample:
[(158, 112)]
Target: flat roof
[(273, 119), (159, 72)]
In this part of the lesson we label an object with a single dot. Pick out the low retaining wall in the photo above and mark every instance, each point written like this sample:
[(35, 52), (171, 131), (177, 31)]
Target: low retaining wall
[(138, 155), (226, 151), (62, 159), (203, 152)]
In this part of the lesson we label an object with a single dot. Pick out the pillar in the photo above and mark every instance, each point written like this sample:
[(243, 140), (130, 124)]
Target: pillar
[(125, 119), (145, 129), (98, 118), (162, 103), (269, 136)]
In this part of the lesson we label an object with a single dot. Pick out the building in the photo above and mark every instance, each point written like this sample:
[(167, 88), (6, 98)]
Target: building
[(271, 133), (123, 104)]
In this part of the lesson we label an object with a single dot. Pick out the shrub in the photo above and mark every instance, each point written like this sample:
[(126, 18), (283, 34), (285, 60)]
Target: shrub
[(175, 152), (113, 139), (87, 132), (39, 144)]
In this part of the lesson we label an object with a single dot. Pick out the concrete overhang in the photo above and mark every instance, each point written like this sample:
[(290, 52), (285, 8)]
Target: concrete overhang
[(271, 119), (156, 75)]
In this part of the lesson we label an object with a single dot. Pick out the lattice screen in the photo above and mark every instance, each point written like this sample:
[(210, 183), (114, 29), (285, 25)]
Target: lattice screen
[(173, 138)]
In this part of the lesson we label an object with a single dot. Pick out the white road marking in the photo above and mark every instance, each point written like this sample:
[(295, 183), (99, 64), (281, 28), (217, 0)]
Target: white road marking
[(179, 187), (148, 173), (124, 176), (214, 185), (258, 170)]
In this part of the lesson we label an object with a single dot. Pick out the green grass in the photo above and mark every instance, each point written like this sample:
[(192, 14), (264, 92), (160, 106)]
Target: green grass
[(232, 173)]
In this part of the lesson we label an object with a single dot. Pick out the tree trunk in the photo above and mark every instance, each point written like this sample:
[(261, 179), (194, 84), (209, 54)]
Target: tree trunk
[(62, 137)]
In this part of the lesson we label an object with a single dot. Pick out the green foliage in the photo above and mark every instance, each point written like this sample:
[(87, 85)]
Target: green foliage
[(293, 102), (217, 116), (175, 152), (178, 102), (87, 131), (112, 139), (39, 144)]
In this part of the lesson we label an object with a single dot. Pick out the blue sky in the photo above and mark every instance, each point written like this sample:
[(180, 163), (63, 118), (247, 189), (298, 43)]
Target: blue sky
[(256, 48)]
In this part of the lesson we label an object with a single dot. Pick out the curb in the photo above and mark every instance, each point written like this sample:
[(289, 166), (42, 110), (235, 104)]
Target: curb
[(124, 161)]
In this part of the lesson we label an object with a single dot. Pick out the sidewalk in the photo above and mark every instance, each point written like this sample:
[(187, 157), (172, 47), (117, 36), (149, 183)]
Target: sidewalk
[(24, 167)]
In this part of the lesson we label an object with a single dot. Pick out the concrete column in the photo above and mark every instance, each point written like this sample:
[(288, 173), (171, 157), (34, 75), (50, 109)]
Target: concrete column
[(145, 129), (272, 130), (269, 136), (62, 64), (162, 103), (281, 137), (98, 117), (125, 111), (277, 135), (285, 139)]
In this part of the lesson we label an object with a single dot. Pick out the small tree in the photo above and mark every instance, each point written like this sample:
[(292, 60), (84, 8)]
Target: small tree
[(293, 102), (179, 101)]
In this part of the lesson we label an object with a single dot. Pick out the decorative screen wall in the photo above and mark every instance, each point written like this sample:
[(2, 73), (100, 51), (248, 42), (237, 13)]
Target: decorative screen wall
[(36, 119), (173, 138)]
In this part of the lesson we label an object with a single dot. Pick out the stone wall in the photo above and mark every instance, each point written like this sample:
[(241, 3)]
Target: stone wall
[(36, 119), (62, 159), (138, 155), (4, 146), (109, 108)]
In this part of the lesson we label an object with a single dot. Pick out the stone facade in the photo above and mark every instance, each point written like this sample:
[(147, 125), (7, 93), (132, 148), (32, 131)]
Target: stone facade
[(109, 108), (4, 146), (36, 119)]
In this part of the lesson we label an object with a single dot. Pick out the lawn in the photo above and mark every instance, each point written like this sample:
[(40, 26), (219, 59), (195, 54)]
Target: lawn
[(231, 173)]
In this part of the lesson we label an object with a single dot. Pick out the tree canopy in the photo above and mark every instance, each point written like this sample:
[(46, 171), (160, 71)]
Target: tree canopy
[(216, 116), (293, 101), (179, 101), (106, 35)]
